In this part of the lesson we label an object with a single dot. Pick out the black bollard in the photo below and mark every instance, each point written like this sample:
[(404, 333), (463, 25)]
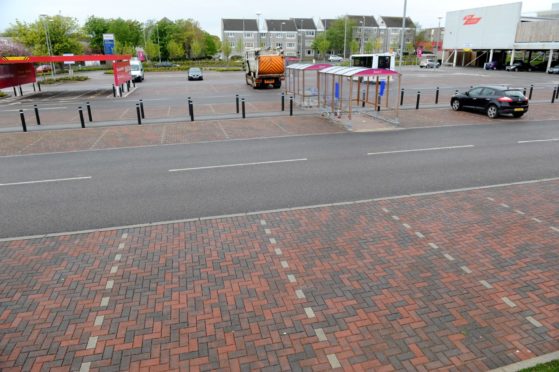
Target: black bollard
[(417, 101), (80, 111), (553, 96), (114, 91), (15, 92), (363, 100), (191, 110), (243, 107), (37, 115), (290, 105), (142, 109), (34, 90), (437, 96), (531, 90), (134, 83), (20, 91), (39, 85), (402, 97), (378, 102), (120, 89), (22, 116), (557, 92), (89, 116), (282, 101), (138, 114), (524, 92), (237, 102)]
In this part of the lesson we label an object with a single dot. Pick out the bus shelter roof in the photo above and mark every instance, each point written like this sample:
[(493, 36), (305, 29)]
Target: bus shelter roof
[(309, 66), (357, 71)]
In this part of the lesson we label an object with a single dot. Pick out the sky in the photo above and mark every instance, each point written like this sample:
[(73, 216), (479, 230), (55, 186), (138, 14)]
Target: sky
[(209, 13)]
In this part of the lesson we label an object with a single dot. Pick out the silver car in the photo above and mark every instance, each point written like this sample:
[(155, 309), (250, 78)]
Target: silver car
[(194, 73)]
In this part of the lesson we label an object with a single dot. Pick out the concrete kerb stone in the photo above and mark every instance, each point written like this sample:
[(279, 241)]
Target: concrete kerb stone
[(528, 363)]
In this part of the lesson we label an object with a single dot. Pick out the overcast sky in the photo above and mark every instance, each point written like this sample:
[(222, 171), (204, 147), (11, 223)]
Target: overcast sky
[(209, 12)]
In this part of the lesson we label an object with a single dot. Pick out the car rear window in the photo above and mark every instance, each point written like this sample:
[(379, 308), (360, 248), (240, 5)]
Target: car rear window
[(514, 93)]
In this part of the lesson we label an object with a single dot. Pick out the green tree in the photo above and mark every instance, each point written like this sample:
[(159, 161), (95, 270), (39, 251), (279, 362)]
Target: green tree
[(240, 46), (321, 44), (196, 48), (354, 46), (212, 44), (378, 44), (176, 50), (226, 50), (64, 34), (94, 28), (368, 47), (127, 32), (336, 32), (152, 50)]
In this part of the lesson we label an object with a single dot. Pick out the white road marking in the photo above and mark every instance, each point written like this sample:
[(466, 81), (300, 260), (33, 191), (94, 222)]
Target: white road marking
[(466, 269), (406, 226), (278, 251), (519, 212), (92, 342), (486, 284), (45, 181), (508, 301), (320, 334), (491, 199), (385, 210), (300, 294), (433, 245), (396, 218), (110, 284), (284, 264), (99, 320), (268, 231), (334, 362), (120, 246), (291, 278), (449, 257), (310, 313), (114, 269), (534, 321), (554, 228), (505, 205), (262, 222), (542, 140), (419, 150), (118, 256), (273, 241), (124, 236), (239, 165), (105, 301), (537, 220), (85, 367), (419, 235)]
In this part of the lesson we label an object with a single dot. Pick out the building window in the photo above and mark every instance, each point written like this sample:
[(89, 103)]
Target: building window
[(291, 35), (248, 35), (278, 45), (309, 52), (232, 43), (249, 45), (291, 45), (309, 33), (231, 34)]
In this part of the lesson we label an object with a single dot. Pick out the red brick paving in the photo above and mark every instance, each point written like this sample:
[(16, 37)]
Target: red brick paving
[(214, 294)]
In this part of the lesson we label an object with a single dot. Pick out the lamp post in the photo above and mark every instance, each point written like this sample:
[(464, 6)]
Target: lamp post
[(258, 29), (438, 38), (47, 38), (302, 41), (282, 36), (362, 35), (403, 33), (345, 34)]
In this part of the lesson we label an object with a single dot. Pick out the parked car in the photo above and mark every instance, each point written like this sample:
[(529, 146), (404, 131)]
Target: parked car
[(194, 73), (493, 100), (335, 58), (43, 68), (494, 65), (542, 66), (429, 63), (519, 66), (553, 70), (165, 64)]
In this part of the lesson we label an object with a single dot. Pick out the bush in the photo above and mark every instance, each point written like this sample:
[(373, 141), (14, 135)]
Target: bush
[(2, 94), (64, 79)]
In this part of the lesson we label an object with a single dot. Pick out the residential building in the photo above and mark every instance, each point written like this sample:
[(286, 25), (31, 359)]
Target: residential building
[(240, 34), (391, 31), (306, 33), (365, 32), (281, 34)]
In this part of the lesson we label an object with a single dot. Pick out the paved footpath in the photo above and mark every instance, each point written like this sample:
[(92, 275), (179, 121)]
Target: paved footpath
[(467, 280)]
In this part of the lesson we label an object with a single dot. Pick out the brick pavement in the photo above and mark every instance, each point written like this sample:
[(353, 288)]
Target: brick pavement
[(456, 281)]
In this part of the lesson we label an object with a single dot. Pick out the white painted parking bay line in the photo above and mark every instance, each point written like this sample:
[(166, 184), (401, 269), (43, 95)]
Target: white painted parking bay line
[(45, 181), (418, 150), (239, 165), (542, 140)]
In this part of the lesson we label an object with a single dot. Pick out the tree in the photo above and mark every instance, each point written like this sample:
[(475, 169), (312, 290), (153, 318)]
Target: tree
[(368, 47), (127, 32), (212, 44), (240, 47), (151, 49), (176, 50), (196, 48), (321, 44), (378, 44), (335, 33), (94, 28), (354, 46), (226, 50), (64, 34)]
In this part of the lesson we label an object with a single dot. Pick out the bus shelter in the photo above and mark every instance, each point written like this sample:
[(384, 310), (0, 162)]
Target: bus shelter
[(295, 80), (342, 87)]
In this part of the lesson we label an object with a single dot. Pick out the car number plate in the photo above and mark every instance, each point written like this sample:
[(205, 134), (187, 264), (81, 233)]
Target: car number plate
[(269, 81), (518, 109)]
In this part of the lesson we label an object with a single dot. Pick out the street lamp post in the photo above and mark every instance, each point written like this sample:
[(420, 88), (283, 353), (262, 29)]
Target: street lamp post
[(403, 33), (47, 38), (258, 29), (345, 35), (362, 35), (438, 38), (282, 36), (302, 41)]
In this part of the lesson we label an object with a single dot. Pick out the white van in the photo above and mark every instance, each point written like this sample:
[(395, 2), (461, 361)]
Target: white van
[(137, 69)]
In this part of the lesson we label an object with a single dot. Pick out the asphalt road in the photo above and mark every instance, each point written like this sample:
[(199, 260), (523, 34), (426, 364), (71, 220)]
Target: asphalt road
[(94, 189)]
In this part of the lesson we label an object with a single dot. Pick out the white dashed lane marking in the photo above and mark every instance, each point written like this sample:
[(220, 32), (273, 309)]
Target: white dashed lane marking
[(105, 301), (505, 205), (448, 257), (433, 245), (114, 269), (110, 284), (466, 269), (99, 320), (320, 335), (284, 264), (85, 367), (300, 294), (334, 362), (534, 321), (419, 235), (291, 278), (278, 251), (118, 257), (273, 241)]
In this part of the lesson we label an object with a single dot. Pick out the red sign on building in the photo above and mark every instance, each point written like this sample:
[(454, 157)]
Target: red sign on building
[(121, 71), (471, 19), (14, 75)]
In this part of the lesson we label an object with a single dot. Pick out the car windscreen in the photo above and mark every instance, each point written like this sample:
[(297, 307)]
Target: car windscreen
[(135, 67), (514, 93), (194, 70)]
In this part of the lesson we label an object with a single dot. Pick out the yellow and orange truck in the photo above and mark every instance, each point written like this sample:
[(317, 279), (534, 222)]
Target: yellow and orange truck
[(264, 68)]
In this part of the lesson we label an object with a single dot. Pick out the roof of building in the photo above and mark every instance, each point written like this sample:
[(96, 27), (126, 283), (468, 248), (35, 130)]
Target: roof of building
[(327, 23), (278, 25), (304, 23), (239, 24), (370, 21), (396, 22)]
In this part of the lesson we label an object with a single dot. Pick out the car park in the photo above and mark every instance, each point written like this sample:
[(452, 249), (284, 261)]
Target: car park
[(43, 68), (335, 58), (195, 73), (519, 66), (492, 100), (429, 63)]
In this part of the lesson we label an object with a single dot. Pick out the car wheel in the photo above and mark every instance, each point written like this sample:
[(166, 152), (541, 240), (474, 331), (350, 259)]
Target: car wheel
[(492, 111), (517, 114), (456, 105)]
